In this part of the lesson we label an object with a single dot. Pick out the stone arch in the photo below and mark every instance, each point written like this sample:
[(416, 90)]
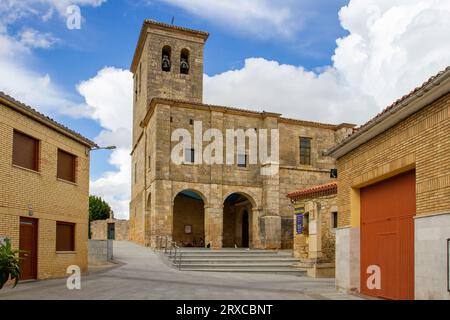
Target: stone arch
[(246, 194), (238, 220), (199, 193), (188, 220)]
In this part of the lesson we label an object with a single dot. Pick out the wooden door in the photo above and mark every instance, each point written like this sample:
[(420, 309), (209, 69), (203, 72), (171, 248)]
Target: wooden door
[(28, 246), (387, 235), (111, 231)]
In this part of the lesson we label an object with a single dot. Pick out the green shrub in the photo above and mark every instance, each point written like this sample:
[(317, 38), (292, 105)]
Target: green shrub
[(9, 263)]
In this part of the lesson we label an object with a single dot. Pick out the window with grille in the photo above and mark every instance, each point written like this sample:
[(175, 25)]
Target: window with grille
[(25, 151), (65, 236), (305, 151), (66, 166)]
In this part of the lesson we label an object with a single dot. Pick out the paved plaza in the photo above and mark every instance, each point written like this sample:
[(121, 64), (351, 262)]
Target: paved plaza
[(141, 274)]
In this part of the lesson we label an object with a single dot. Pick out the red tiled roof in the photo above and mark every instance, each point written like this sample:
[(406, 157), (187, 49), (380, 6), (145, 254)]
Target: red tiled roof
[(46, 120), (434, 80), (316, 191)]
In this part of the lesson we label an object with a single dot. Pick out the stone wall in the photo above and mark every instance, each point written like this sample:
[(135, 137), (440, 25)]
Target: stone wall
[(99, 229)]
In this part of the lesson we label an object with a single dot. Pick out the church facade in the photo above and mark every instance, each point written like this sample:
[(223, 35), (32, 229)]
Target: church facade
[(202, 203)]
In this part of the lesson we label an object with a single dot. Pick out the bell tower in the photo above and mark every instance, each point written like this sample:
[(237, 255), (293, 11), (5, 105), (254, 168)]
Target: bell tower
[(168, 63)]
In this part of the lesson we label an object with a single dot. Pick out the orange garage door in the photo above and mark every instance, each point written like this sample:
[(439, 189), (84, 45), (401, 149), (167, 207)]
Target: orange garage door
[(387, 235)]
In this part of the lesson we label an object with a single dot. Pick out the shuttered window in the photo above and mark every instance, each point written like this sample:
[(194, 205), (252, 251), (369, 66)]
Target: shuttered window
[(25, 151), (66, 166), (305, 151), (65, 236)]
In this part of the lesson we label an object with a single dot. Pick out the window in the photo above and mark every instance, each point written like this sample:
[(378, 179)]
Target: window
[(305, 151), (166, 63), (65, 236), (191, 121), (66, 166), (242, 160), (334, 220), (189, 156), (149, 162), (184, 61), (25, 151)]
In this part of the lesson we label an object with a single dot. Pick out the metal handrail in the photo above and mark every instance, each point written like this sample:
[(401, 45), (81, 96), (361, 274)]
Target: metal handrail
[(171, 250)]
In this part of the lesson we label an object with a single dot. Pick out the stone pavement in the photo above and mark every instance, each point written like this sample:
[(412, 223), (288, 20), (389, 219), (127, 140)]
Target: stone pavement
[(142, 275)]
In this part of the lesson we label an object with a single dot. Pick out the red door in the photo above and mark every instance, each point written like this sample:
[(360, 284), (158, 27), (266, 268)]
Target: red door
[(387, 235), (28, 247)]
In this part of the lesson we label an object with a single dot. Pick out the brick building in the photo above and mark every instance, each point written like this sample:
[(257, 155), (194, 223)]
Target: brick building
[(44, 190), (394, 198), (217, 204), (315, 222)]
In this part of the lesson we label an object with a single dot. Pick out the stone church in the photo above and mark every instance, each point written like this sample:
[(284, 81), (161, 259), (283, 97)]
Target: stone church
[(211, 205)]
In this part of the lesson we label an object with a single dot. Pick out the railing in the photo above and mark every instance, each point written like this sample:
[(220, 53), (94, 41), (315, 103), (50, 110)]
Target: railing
[(171, 250)]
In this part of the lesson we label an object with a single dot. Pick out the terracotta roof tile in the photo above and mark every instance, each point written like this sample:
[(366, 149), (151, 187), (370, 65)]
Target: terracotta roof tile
[(47, 120), (320, 190)]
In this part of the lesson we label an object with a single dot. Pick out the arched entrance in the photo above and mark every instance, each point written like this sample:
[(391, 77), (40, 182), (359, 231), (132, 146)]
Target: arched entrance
[(189, 219), (237, 221)]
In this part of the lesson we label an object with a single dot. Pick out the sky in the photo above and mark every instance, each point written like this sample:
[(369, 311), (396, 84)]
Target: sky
[(320, 60)]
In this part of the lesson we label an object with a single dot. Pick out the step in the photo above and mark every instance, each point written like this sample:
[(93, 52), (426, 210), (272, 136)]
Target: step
[(240, 260), (290, 271), (235, 265)]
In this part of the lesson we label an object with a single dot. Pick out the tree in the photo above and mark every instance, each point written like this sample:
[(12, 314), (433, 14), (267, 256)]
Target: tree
[(99, 209)]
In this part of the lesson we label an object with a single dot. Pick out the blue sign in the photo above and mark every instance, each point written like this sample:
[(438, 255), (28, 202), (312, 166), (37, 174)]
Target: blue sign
[(299, 222)]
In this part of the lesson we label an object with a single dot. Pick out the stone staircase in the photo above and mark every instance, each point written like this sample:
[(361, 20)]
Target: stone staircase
[(237, 260)]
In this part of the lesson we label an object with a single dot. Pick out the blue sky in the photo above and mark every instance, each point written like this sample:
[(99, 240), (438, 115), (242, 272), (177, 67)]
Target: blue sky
[(329, 61), (108, 37)]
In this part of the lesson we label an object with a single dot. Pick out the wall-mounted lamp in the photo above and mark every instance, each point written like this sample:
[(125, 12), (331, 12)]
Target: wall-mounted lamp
[(100, 148)]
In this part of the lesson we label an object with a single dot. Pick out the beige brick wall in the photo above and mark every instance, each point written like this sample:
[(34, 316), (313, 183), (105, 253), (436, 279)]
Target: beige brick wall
[(421, 142), (49, 199)]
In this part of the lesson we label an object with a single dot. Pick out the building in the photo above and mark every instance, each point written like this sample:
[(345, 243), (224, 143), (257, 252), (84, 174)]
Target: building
[(394, 198), (217, 205), (315, 223), (44, 190), (110, 229)]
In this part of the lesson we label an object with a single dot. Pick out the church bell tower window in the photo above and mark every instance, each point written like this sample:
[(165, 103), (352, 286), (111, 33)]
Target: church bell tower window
[(165, 60), (184, 61)]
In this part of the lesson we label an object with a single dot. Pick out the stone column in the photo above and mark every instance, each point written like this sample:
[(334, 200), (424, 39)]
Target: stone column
[(315, 235), (214, 226)]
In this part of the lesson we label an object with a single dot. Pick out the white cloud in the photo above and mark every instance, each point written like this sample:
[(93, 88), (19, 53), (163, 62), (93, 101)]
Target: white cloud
[(392, 47), (261, 18), (29, 86), (109, 97), (13, 10), (34, 39), (289, 90)]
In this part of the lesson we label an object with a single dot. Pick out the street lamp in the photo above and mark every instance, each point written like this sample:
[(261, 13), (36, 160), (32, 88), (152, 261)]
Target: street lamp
[(100, 148), (104, 148)]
